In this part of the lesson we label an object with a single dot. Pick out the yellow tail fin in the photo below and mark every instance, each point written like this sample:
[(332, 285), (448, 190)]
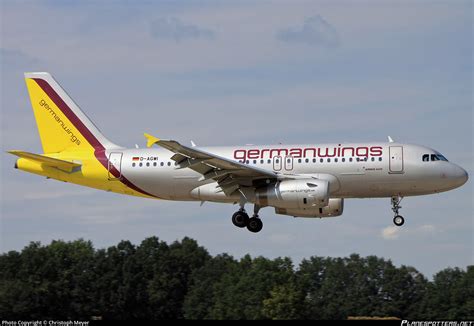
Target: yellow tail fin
[(61, 124)]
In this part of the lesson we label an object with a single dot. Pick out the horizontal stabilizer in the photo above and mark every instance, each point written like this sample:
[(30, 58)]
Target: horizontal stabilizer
[(49, 161)]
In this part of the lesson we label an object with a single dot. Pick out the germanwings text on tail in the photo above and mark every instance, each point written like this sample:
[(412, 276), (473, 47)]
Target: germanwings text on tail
[(310, 180)]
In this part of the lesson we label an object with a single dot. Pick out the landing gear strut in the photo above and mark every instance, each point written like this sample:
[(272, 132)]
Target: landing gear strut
[(242, 220), (398, 220)]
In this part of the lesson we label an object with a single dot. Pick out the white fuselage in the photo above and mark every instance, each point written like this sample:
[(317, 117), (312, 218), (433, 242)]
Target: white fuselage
[(353, 170)]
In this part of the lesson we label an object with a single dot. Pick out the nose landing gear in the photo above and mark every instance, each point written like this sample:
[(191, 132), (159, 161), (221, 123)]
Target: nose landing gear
[(398, 220)]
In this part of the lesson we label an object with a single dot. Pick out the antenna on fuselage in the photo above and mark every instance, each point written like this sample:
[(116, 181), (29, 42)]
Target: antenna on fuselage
[(390, 140)]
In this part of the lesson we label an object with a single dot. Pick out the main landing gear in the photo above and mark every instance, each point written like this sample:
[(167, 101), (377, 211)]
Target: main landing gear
[(241, 219), (398, 220)]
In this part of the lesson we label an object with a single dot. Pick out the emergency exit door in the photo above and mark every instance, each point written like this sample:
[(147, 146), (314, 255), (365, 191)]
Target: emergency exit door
[(396, 159)]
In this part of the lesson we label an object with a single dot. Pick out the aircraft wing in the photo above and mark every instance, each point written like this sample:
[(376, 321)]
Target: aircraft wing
[(229, 174)]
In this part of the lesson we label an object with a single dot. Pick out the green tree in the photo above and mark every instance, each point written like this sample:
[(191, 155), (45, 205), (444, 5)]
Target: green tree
[(451, 295), (172, 276), (285, 302), (154, 280), (201, 296), (51, 281), (340, 287)]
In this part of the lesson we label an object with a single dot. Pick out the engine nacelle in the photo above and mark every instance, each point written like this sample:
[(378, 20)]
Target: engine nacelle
[(334, 208), (295, 194)]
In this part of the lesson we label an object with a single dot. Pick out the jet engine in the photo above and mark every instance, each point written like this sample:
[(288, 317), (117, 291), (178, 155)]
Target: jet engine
[(335, 207), (296, 194)]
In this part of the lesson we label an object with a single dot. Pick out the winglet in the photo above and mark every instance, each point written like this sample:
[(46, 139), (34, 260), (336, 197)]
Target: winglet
[(390, 140), (150, 140)]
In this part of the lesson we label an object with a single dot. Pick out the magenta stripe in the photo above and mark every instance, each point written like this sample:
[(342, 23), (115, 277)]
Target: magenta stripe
[(99, 149)]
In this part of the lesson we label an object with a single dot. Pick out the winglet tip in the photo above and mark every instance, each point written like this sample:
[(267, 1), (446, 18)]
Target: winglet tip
[(151, 140)]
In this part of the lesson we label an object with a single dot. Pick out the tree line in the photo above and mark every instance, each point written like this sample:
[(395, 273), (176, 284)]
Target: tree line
[(181, 280)]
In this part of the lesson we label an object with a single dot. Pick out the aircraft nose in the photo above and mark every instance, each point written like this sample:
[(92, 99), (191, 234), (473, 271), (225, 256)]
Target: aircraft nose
[(458, 176)]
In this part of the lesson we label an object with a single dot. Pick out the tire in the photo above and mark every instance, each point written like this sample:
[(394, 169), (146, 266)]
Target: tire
[(255, 225), (240, 219), (398, 220)]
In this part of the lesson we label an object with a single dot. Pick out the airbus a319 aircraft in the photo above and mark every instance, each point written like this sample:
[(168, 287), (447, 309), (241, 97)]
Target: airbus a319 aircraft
[(297, 180)]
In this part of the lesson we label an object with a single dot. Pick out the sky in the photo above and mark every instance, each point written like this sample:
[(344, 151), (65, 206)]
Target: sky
[(245, 72)]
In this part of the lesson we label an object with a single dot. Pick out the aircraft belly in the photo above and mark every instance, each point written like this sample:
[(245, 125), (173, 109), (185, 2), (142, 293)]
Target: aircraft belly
[(376, 186)]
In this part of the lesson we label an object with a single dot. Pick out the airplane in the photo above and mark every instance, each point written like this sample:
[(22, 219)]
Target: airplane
[(309, 180)]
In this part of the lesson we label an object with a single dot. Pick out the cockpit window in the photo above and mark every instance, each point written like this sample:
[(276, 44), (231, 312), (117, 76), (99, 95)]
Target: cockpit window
[(434, 157), (442, 158)]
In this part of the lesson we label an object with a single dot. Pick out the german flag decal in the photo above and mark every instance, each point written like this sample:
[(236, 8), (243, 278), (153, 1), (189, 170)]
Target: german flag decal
[(135, 158)]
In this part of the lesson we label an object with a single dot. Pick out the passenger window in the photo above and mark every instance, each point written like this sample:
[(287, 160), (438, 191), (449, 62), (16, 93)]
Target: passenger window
[(426, 158), (343, 159), (307, 160)]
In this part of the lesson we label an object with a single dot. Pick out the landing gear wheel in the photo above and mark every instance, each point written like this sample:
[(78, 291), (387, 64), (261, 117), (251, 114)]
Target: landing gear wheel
[(240, 219), (398, 220), (255, 225)]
